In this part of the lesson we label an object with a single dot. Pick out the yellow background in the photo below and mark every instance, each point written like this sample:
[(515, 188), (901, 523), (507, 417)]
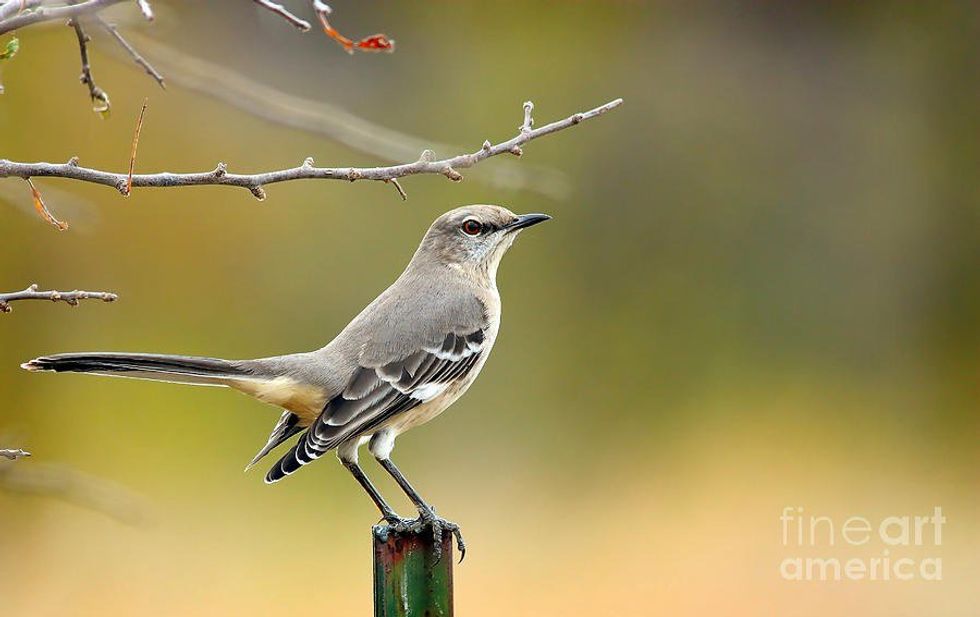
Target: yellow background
[(760, 291)]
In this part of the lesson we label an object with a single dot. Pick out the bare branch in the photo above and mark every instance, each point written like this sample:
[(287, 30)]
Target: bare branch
[(398, 187), (254, 182), (100, 100), (71, 298), (48, 13), (317, 116), (14, 7), (283, 12), (137, 57), (13, 454)]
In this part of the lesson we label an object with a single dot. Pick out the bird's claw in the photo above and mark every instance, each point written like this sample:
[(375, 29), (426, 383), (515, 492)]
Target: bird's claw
[(428, 518), (398, 523), (438, 525)]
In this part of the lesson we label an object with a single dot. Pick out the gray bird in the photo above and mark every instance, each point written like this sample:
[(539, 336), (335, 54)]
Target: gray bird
[(403, 360)]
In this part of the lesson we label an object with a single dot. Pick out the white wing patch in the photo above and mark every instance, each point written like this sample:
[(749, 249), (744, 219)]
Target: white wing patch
[(429, 391)]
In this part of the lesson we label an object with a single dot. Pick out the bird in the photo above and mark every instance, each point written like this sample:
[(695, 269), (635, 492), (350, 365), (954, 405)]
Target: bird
[(404, 359)]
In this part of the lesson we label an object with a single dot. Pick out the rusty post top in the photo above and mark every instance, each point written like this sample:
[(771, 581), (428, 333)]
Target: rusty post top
[(412, 578)]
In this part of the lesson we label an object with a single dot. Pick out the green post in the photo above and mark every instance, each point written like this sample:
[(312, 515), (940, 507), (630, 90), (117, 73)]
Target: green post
[(409, 580)]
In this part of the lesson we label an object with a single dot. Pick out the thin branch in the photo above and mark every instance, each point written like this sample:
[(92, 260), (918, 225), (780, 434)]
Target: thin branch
[(71, 298), (283, 12), (137, 57), (426, 164), (13, 454), (319, 117), (398, 187), (132, 153), (100, 100), (48, 13), (15, 7)]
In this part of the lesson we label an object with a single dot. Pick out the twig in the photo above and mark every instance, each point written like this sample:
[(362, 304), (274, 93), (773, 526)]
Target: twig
[(48, 13), (283, 12), (13, 454), (69, 297), (132, 154), (320, 117), (398, 187), (426, 164), (137, 57), (146, 9), (528, 117), (375, 42), (100, 100)]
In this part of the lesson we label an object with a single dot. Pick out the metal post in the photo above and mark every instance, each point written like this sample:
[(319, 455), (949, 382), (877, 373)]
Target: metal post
[(409, 581)]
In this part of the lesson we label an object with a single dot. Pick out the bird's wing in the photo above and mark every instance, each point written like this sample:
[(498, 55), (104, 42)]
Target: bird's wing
[(376, 393)]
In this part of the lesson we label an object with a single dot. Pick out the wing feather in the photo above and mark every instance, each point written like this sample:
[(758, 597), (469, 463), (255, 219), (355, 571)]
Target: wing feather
[(376, 393)]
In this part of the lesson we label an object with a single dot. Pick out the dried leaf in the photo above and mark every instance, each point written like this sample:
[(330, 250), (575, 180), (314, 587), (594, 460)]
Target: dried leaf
[(375, 42), (43, 209)]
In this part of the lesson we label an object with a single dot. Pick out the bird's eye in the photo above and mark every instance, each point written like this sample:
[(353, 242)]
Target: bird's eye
[(472, 227)]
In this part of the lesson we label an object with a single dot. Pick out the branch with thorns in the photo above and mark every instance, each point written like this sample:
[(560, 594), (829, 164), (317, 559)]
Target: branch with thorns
[(71, 298), (219, 176)]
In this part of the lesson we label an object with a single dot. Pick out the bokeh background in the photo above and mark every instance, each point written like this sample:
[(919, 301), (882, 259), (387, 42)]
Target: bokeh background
[(760, 290)]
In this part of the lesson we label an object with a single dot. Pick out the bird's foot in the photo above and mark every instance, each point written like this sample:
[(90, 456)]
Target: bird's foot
[(439, 525), (397, 522), (428, 518)]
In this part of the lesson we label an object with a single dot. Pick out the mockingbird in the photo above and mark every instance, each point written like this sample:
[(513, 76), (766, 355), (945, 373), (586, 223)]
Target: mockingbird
[(403, 360)]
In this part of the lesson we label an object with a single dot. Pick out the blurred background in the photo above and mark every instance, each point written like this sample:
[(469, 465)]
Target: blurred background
[(760, 290)]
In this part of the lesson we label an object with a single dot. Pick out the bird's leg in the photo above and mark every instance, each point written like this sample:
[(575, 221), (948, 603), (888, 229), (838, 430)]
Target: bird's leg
[(386, 511), (347, 453), (427, 514), (381, 445)]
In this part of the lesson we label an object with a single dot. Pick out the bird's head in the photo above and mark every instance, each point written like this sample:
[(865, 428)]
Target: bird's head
[(474, 238)]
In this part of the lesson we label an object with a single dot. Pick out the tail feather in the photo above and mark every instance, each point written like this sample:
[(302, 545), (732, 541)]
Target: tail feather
[(179, 369), (288, 425), (290, 463)]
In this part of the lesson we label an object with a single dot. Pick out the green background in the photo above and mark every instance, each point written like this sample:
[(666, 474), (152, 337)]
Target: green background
[(761, 290)]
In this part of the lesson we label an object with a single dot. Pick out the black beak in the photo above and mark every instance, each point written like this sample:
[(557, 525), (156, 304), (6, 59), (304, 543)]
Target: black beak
[(526, 220)]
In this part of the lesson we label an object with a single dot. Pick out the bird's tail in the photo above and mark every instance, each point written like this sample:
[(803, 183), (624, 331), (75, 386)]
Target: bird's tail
[(175, 369)]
